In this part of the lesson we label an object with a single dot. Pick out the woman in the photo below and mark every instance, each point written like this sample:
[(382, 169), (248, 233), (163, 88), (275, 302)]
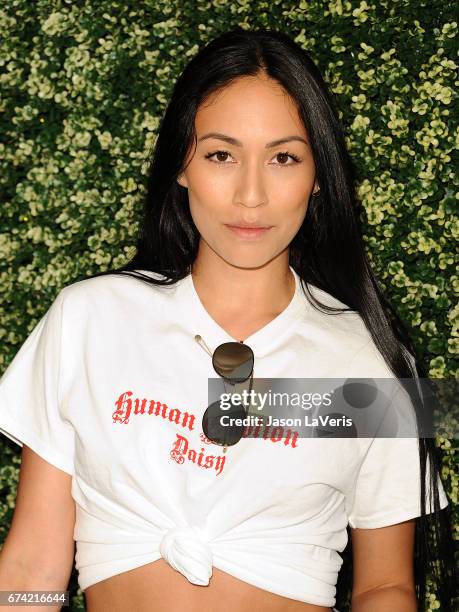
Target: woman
[(249, 236)]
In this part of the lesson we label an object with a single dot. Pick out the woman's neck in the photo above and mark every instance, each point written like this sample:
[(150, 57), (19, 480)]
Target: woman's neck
[(243, 300)]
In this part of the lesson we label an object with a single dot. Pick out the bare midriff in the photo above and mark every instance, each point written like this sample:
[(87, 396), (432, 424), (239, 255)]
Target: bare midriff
[(157, 587)]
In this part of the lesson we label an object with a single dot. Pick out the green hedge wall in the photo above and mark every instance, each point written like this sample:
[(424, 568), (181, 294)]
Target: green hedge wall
[(83, 86)]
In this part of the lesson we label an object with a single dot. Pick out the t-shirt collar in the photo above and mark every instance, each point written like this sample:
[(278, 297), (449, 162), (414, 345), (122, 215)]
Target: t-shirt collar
[(200, 322)]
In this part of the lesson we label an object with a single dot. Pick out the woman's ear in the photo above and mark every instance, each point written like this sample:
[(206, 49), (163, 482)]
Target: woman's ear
[(181, 180)]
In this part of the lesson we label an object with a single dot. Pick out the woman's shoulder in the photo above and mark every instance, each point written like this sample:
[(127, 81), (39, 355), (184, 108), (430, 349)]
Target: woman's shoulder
[(105, 293), (345, 334), (113, 281), (341, 320)]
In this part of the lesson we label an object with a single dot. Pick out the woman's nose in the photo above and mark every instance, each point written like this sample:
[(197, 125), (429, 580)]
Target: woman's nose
[(250, 188)]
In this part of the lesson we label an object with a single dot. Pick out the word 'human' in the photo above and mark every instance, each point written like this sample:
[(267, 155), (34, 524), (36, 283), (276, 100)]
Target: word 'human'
[(125, 406)]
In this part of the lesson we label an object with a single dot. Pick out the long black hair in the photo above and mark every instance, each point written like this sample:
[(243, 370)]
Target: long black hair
[(327, 252)]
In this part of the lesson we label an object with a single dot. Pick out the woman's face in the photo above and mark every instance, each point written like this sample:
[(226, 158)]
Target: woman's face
[(237, 175)]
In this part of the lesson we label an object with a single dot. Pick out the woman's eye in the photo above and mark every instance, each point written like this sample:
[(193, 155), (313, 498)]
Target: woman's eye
[(284, 156), (219, 155)]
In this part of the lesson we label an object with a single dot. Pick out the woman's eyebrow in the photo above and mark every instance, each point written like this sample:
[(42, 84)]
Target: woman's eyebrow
[(238, 143)]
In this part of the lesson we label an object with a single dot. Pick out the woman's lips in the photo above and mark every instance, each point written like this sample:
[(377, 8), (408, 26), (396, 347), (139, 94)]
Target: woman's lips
[(249, 232)]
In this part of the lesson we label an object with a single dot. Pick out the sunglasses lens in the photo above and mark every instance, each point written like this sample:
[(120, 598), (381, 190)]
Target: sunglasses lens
[(233, 361), (224, 434)]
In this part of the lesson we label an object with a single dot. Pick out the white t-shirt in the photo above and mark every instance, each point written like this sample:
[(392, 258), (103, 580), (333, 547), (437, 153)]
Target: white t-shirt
[(111, 387)]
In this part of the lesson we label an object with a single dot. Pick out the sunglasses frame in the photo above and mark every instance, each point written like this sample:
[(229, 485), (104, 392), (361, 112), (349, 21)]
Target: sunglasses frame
[(231, 346)]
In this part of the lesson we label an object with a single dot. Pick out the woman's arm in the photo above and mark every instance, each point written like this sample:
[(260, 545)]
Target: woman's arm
[(38, 553), (383, 569)]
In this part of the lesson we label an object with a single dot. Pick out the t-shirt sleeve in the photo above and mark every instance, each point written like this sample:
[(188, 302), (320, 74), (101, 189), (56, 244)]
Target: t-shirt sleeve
[(388, 486), (30, 402), (387, 490)]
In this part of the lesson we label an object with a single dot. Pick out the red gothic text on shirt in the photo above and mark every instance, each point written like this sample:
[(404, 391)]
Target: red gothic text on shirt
[(124, 407)]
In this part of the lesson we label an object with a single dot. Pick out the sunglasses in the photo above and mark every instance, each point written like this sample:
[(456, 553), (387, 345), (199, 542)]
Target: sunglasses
[(234, 362)]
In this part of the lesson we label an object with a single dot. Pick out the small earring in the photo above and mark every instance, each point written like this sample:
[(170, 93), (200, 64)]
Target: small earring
[(316, 193)]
